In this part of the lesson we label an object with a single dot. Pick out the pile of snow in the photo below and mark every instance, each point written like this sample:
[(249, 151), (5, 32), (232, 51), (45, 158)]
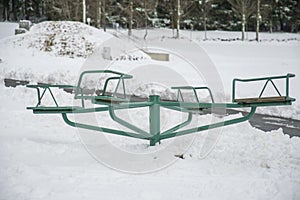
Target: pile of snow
[(255, 59), (43, 158), (155, 89), (71, 39), (51, 52)]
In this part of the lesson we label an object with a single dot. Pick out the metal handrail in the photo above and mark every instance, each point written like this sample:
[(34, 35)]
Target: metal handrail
[(111, 103), (267, 79), (78, 91), (179, 88)]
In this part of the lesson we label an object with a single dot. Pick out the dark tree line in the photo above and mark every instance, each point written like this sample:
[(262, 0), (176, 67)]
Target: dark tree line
[(264, 15)]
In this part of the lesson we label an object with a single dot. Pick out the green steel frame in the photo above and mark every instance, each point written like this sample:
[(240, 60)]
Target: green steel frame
[(111, 103), (268, 80)]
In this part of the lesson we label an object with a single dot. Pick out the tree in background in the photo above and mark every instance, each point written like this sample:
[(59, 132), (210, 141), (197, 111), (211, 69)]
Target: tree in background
[(205, 7), (244, 9), (285, 15), (5, 10), (276, 15), (178, 15), (258, 19), (64, 10), (267, 7)]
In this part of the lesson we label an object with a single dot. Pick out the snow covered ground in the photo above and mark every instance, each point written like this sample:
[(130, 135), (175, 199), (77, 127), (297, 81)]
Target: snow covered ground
[(43, 158)]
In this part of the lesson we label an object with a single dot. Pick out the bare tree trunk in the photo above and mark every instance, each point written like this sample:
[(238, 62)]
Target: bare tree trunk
[(204, 25), (6, 14), (77, 10), (83, 11), (178, 19), (98, 15), (257, 20), (243, 28), (173, 26), (104, 15), (146, 20), (172, 23), (67, 11), (244, 9), (130, 19), (243, 23), (14, 10), (43, 8), (26, 9)]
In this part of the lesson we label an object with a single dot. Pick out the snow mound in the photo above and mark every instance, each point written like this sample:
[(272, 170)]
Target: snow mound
[(42, 157), (62, 38)]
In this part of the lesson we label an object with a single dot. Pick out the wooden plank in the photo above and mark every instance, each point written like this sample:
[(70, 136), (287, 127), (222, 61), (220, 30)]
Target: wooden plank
[(13, 82), (262, 100)]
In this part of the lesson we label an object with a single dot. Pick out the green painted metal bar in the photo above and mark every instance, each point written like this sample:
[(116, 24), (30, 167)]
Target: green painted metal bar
[(90, 110), (276, 88), (39, 95), (82, 99), (53, 97), (211, 126), (287, 77), (125, 76), (124, 89), (179, 126), (101, 129), (109, 79), (47, 87), (121, 79), (287, 86), (179, 88), (176, 108), (262, 91), (111, 104), (180, 95), (154, 119), (209, 91), (126, 124)]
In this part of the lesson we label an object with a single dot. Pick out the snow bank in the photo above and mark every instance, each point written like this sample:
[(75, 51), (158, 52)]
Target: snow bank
[(42, 158), (51, 52), (276, 54), (255, 59), (70, 39)]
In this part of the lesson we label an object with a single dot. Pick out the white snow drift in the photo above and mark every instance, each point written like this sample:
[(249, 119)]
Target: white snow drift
[(43, 158)]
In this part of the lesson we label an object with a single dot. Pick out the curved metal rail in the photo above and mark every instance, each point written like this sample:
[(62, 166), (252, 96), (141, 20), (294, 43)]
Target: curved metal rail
[(111, 103)]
